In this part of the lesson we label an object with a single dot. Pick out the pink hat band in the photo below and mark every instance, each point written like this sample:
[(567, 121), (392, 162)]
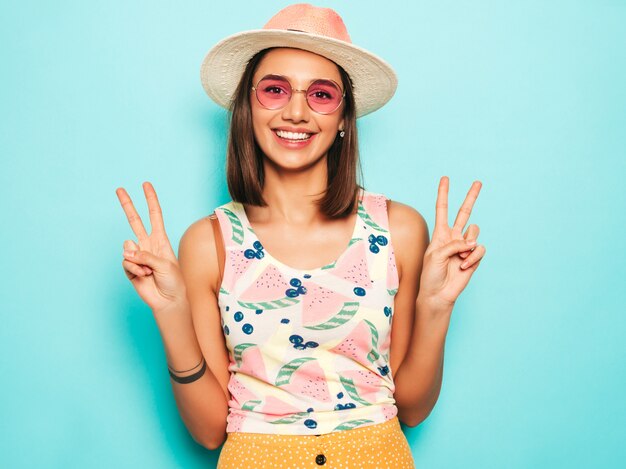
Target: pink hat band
[(309, 19)]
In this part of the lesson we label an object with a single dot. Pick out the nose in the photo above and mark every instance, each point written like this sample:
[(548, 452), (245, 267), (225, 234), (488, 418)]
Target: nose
[(297, 109)]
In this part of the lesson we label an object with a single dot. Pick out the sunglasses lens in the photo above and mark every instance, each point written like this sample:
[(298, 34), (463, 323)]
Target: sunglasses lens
[(324, 96), (273, 92)]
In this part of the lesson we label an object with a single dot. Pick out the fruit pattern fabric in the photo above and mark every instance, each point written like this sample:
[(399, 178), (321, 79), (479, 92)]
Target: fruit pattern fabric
[(309, 349)]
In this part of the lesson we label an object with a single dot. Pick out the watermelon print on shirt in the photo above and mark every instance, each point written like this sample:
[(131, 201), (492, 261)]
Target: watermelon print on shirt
[(309, 349)]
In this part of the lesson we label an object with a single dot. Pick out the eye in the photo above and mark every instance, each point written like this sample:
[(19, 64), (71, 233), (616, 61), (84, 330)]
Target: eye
[(274, 89), (323, 91), (321, 94)]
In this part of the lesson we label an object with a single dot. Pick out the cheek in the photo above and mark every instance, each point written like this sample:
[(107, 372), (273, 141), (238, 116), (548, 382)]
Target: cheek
[(331, 126), (258, 122)]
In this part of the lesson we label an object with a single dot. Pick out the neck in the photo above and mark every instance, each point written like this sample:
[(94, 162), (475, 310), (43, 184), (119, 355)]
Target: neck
[(291, 195)]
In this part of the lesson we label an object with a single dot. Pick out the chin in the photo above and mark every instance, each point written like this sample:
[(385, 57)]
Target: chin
[(293, 162)]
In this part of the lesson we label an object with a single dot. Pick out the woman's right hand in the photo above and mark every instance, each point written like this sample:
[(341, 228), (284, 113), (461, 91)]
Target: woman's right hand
[(151, 265)]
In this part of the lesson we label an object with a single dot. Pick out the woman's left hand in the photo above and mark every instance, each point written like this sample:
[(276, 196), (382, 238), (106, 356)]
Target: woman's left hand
[(450, 259)]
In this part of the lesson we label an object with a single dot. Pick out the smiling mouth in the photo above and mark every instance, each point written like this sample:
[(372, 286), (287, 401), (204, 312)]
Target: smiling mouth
[(293, 136)]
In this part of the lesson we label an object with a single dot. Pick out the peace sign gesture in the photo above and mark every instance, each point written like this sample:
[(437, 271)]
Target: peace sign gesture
[(151, 265), (451, 257)]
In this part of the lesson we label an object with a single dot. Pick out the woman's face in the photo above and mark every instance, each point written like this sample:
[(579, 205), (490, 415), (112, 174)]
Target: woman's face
[(272, 127)]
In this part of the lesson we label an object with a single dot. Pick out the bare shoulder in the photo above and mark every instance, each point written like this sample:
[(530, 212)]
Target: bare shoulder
[(406, 223), (197, 255), (409, 233), (197, 240)]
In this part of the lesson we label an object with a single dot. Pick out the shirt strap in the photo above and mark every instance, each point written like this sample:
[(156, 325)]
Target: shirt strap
[(219, 245)]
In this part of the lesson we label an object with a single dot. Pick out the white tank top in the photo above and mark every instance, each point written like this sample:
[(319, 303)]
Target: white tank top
[(309, 349)]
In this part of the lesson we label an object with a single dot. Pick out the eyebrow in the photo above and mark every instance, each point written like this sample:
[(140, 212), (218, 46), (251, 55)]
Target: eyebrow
[(289, 79)]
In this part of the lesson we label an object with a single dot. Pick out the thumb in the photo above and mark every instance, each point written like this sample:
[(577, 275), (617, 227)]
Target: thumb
[(130, 245), (146, 258), (454, 247)]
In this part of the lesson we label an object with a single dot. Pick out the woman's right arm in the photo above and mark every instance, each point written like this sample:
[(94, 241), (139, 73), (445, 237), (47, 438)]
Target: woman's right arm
[(182, 294), (196, 331)]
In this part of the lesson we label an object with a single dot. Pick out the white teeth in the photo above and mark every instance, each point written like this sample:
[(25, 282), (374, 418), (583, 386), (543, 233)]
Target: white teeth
[(292, 135)]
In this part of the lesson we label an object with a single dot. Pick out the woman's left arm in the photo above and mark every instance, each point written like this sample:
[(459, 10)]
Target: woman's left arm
[(432, 276)]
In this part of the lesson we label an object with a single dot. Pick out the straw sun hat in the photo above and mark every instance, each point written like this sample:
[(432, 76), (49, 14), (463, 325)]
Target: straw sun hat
[(301, 26)]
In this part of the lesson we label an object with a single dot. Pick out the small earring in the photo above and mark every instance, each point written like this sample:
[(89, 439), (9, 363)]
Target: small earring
[(342, 133)]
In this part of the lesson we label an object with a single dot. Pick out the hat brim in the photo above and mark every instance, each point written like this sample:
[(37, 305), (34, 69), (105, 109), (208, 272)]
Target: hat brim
[(374, 81)]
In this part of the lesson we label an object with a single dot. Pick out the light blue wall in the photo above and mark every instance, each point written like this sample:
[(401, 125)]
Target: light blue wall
[(527, 96)]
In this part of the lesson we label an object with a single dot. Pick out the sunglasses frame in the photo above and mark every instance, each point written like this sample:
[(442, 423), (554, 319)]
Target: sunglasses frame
[(306, 96)]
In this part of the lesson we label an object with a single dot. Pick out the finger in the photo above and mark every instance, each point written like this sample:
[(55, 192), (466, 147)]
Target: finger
[(472, 232), (144, 269), (463, 255), (154, 209), (148, 259), (455, 246), (131, 214), (472, 268), (441, 207), (130, 245), (132, 270), (466, 207), (477, 255)]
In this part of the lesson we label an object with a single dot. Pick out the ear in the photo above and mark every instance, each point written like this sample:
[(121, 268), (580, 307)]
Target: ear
[(341, 124)]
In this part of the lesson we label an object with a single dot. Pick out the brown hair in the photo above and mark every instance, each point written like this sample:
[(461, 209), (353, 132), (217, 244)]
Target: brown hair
[(244, 163)]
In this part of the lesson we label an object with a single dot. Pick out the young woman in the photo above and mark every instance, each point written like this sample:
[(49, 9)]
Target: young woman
[(316, 314)]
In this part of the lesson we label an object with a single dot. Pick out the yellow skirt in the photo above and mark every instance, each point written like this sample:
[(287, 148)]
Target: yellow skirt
[(382, 445)]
